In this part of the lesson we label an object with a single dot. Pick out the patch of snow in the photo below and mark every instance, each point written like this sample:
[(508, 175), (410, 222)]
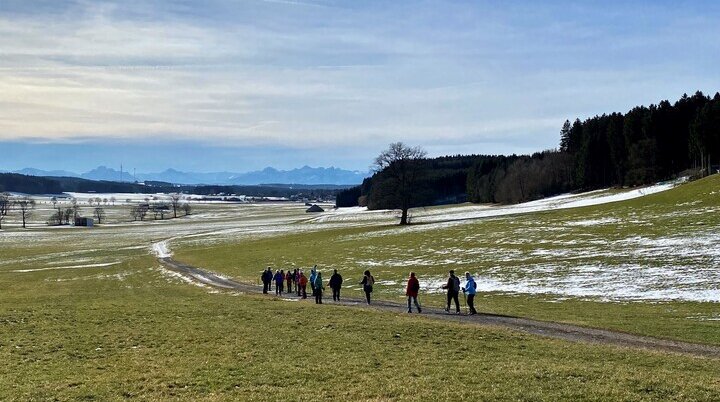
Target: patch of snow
[(445, 216), (627, 282), (162, 249), (593, 222), (105, 264)]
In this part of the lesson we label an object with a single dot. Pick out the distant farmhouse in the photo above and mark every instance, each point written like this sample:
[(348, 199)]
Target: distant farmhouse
[(315, 208), (84, 222)]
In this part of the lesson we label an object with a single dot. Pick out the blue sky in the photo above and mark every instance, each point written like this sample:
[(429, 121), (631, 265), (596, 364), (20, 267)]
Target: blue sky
[(240, 85)]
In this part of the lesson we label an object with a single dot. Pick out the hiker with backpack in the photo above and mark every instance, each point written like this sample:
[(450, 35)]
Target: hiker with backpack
[(303, 285), (279, 279), (335, 284), (453, 291), (313, 276), (367, 282), (413, 287), (470, 289), (318, 288)]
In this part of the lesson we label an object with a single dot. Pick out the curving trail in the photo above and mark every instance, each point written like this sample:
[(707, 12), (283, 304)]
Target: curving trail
[(555, 330)]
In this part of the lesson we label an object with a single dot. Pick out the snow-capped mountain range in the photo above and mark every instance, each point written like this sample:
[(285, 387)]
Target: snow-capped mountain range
[(269, 175)]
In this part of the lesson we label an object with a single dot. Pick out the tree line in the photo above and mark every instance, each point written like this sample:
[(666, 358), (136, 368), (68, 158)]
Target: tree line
[(646, 144), (55, 185), (24, 205), (65, 212), (643, 146)]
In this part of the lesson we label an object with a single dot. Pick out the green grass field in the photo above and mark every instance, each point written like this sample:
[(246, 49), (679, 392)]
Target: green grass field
[(137, 335), (91, 315)]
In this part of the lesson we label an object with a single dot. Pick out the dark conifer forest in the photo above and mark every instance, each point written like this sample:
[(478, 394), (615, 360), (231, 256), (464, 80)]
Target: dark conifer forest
[(643, 146)]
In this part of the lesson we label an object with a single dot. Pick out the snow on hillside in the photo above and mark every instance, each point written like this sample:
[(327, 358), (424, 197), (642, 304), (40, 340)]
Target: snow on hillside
[(469, 211)]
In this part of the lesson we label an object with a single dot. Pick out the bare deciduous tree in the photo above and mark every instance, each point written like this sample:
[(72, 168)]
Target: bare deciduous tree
[(57, 218), (99, 214), (175, 203), (5, 204), (186, 208), (25, 205), (75, 208), (138, 212), (400, 162), (69, 212), (135, 213), (159, 210)]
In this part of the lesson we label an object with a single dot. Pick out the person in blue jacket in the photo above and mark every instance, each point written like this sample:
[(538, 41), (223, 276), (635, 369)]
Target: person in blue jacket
[(279, 280), (470, 289)]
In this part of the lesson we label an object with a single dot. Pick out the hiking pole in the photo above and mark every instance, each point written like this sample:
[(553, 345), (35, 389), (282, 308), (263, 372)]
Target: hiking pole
[(467, 311)]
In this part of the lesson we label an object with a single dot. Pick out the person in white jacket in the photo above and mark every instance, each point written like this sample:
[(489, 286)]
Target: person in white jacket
[(470, 289)]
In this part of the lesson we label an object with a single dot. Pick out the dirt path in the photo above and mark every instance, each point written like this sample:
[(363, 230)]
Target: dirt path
[(543, 328)]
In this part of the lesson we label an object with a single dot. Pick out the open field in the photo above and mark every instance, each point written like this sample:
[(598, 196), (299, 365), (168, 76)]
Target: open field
[(91, 314), (128, 331), (647, 265)]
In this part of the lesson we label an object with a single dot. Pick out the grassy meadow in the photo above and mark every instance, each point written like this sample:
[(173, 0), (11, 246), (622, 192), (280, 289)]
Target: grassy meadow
[(129, 332), (591, 266)]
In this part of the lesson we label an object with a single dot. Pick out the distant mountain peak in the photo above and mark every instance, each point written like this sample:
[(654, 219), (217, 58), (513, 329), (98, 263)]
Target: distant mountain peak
[(303, 175)]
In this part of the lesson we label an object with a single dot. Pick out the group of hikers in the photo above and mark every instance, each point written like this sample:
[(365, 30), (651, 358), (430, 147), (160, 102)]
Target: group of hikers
[(296, 282), (296, 279)]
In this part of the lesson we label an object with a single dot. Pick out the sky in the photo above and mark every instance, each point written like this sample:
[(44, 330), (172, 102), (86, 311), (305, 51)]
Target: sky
[(241, 85)]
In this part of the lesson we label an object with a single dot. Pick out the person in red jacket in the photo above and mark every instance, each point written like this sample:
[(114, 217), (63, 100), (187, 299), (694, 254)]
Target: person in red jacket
[(303, 284), (413, 287)]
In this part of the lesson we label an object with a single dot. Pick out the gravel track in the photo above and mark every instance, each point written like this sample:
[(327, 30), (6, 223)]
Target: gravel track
[(554, 330)]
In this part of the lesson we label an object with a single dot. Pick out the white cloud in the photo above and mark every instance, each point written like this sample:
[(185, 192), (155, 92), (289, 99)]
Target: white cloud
[(453, 77)]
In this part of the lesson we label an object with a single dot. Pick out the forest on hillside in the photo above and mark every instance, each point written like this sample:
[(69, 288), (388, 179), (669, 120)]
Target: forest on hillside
[(643, 146)]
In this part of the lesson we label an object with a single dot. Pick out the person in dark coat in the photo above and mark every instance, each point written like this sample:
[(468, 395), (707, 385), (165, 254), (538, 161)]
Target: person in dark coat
[(313, 276), (279, 279), (267, 277), (262, 278), (289, 281), (318, 288), (335, 284), (296, 280), (368, 282), (413, 287), (453, 291)]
